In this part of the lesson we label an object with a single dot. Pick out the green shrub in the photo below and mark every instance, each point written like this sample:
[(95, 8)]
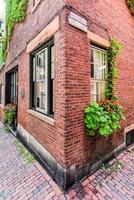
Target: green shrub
[(10, 114), (103, 118)]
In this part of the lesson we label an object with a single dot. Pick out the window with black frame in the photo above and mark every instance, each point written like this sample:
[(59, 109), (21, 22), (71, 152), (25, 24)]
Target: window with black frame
[(12, 87), (43, 62)]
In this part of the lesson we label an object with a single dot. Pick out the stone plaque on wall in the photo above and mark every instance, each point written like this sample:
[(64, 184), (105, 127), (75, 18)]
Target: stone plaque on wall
[(78, 21)]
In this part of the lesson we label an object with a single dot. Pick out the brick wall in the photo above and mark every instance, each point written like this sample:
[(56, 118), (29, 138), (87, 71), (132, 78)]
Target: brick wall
[(34, 23), (106, 19), (51, 137), (66, 140)]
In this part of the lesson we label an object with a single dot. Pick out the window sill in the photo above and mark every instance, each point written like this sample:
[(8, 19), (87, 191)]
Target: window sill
[(42, 117), (35, 6)]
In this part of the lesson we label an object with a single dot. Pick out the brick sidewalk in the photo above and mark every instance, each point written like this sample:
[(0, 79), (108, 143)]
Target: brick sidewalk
[(19, 180)]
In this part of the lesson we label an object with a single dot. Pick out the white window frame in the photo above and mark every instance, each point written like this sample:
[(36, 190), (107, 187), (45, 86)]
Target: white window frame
[(46, 81), (95, 95)]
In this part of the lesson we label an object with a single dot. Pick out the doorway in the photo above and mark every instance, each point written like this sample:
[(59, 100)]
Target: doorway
[(11, 93)]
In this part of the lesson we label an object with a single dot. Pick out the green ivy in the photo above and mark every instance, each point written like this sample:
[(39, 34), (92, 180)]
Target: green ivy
[(3, 50), (15, 13), (130, 4), (103, 119), (112, 54)]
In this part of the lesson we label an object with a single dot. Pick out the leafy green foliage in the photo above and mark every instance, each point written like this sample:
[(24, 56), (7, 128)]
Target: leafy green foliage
[(26, 155), (130, 4), (112, 55), (104, 118), (3, 50), (10, 114), (15, 13)]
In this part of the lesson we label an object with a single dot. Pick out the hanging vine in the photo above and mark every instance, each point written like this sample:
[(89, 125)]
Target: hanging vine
[(15, 13), (112, 54), (3, 50)]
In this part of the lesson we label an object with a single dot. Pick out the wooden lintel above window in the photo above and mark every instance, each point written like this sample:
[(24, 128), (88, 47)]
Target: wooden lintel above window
[(98, 40), (44, 35)]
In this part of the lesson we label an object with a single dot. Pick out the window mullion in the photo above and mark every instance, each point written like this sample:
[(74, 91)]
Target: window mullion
[(46, 80), (34, 83)]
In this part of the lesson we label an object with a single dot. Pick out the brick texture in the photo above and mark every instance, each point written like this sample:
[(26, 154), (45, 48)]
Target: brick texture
[(66, 140), (20, 180)]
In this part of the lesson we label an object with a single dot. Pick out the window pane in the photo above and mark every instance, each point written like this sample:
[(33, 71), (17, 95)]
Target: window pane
[(99, 71), (52, 79), (52, 62), (98, 90), (93, 91), (40, 68), (97, 55), (99, 64), (101, 90), (40, 95), (40, 81)]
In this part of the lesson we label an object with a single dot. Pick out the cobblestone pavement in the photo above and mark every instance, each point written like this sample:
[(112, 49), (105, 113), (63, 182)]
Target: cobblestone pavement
[(19, 180)]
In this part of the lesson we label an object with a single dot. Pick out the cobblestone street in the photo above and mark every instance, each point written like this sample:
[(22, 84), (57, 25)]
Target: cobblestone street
[(19, 180)]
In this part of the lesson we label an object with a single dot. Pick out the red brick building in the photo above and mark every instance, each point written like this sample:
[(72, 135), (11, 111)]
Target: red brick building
[(50, 74)]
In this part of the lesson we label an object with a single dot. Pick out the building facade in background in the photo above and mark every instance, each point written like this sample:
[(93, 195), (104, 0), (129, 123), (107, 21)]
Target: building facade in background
[(55, 67)]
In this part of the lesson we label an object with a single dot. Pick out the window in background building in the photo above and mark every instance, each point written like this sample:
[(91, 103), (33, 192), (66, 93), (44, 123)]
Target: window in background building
[(99, 70)]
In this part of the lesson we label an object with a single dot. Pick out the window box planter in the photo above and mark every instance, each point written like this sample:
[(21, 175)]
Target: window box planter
[(103, 118)]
